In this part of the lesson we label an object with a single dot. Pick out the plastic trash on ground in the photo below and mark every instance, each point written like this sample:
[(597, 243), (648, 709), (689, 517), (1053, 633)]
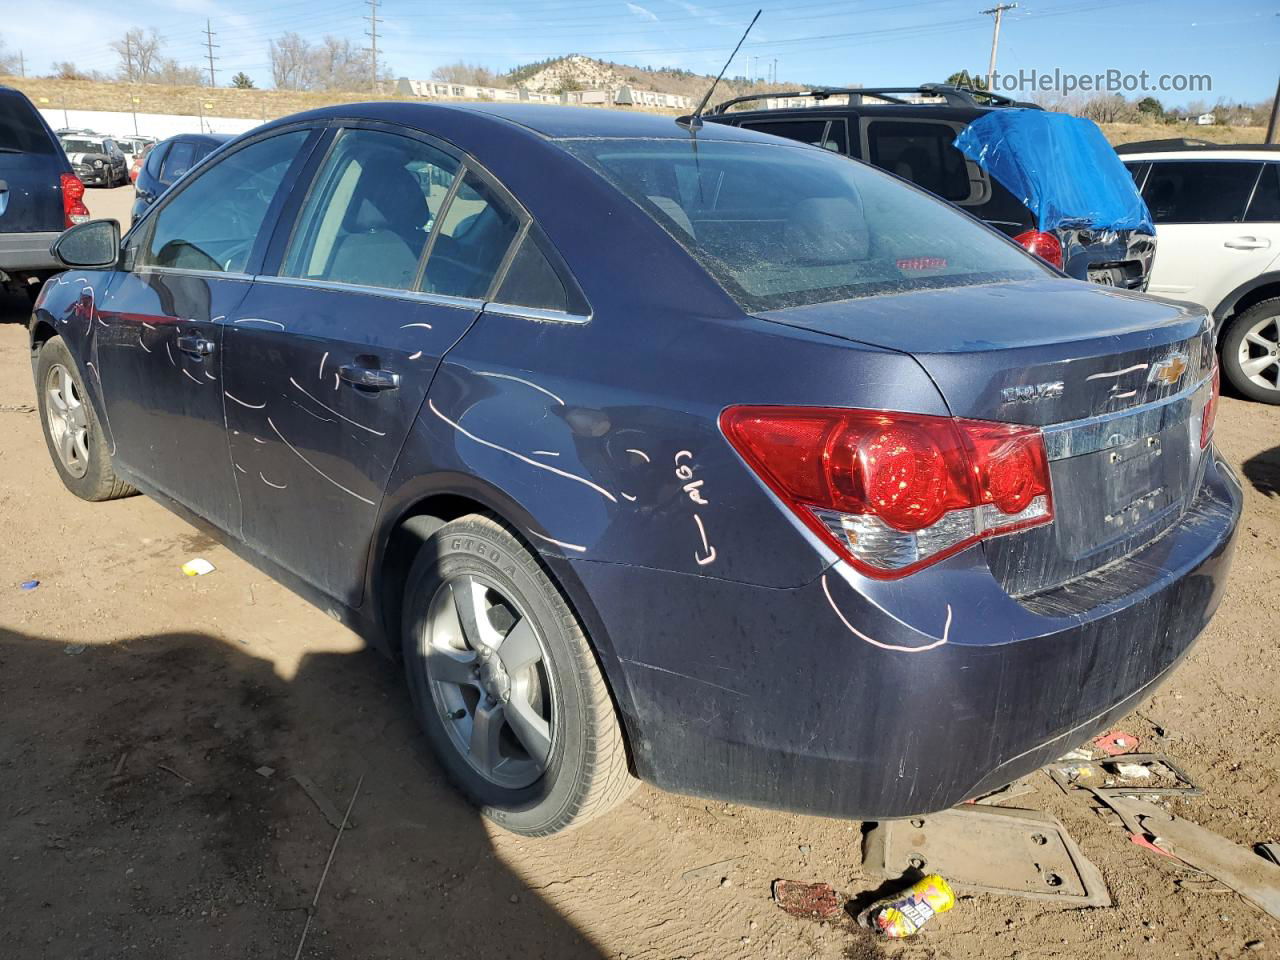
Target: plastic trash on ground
[(197, 567), (1061, 167)]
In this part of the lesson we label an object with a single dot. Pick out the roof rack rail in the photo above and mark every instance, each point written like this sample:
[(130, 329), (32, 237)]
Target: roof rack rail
[(953, 95)]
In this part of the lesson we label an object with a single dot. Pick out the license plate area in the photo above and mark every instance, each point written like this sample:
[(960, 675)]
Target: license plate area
[(1107, 276)]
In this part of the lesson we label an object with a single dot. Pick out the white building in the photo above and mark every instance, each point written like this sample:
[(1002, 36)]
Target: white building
[(622, 96)]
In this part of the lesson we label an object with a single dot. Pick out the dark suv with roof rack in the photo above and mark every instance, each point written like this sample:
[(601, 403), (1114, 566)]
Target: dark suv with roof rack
[(1060, 203)]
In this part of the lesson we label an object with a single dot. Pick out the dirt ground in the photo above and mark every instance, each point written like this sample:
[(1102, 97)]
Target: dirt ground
[(137, 704)]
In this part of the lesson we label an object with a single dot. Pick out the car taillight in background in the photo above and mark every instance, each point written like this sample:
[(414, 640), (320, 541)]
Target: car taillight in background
[(73, 207), (894, 492), (1210, 413), (1044, 245)]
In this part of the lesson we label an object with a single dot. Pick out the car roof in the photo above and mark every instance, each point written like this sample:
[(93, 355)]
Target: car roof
[(548, 121), (211, 139), (1256, 152), (1183, 145)]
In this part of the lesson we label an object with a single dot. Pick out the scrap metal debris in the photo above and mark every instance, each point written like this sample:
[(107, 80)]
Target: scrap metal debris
[(1253, 877), (1128, 774), (811, 901), (311, 910), (1002, 850), (903, 914)]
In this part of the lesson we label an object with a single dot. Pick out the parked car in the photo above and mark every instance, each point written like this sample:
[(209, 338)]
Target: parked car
[(718, 459), (1217, 210), (167, 161), (915, 133), (96, 159), (139, 158), (133, 149), (39, 195)]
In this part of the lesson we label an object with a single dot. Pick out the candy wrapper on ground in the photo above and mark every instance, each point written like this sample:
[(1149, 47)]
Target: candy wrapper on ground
[(903, 914)]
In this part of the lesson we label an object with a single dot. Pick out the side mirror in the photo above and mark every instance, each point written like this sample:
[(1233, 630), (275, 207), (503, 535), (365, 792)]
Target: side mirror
[(92, 244)]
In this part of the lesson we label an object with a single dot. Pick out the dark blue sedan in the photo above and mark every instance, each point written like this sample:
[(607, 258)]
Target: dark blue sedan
[(169, 160), (697, 456)]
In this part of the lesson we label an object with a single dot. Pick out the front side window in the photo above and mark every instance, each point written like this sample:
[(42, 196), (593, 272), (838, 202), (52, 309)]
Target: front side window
[(1265, 206), (781, 226), (214, 222), (371, 210), (921, 152), (1199, 191), (472, 240)]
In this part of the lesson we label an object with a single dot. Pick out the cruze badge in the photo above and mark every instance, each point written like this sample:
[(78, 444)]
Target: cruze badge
[(1032, 391), (1169, 370)]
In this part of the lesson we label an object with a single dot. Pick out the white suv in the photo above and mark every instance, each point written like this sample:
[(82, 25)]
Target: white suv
[(1217, 216)]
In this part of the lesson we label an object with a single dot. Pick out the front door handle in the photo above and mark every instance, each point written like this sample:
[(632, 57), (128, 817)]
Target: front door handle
[(1247, 243), (196, 346), (371, 378)]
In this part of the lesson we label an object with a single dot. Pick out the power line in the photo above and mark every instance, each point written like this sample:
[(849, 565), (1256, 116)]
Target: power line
[(372, 33), (209, 45), (997, 11)]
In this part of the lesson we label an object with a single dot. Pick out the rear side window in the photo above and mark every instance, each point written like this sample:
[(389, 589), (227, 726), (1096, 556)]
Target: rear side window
[(830, 134), (179, 160), (371, 211), (781, 226), (1265, 207), (20, 127), (532, 281), (1199, 191), (471, 242), (921, 152), (213, 223)]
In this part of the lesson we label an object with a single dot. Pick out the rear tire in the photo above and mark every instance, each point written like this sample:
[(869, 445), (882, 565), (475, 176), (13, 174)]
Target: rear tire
[(505, 685), (72, 431), (1251, 351)]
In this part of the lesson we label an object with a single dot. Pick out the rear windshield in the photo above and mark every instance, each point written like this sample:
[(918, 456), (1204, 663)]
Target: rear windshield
[(783, 226), (82, 146), (20, 128)]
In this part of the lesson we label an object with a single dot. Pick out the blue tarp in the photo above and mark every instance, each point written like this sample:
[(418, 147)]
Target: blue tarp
[(1061, 167)]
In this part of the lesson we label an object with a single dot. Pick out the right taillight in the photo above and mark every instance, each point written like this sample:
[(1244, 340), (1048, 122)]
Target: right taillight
[(73, 208), (1210, 413), (1046, 246), (893, 492)]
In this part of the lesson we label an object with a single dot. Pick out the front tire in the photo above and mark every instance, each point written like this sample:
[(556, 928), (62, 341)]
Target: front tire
[(1251, 352), (505, 685), (72, 430)]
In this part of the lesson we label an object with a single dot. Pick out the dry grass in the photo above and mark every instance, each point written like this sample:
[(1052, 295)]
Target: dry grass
[(1119, 133)]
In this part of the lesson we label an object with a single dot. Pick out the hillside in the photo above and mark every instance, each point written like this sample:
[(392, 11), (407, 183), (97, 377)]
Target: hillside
[(576, 72)]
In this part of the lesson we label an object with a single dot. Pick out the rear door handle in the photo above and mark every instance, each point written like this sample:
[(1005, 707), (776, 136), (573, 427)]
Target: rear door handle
[(371, 378), (1247, 243), (196, 346)]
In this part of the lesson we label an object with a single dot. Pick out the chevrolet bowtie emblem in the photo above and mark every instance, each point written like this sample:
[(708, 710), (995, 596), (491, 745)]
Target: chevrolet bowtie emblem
[(1169, 370)]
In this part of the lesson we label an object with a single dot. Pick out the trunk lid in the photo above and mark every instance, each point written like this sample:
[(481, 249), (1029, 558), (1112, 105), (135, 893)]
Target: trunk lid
[(1117, 381)]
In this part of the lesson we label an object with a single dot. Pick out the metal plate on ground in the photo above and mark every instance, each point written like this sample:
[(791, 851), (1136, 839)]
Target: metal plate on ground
[(1020, 853)]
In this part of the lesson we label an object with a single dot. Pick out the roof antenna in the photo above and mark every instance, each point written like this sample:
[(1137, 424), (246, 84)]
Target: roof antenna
[(694, 120)]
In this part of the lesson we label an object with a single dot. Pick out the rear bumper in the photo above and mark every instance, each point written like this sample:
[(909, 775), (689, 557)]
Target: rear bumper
[(27, 251), (765, 696)]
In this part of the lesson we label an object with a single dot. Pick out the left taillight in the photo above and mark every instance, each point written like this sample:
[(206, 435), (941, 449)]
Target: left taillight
[(895, 492), (1046, 246), (73, 208), (1210, 413)]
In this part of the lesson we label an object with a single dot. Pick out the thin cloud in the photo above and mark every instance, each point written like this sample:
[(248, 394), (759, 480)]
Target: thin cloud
[(642, 12)]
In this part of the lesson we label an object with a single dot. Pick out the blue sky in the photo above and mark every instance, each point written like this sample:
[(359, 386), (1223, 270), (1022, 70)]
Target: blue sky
[(873, 42)]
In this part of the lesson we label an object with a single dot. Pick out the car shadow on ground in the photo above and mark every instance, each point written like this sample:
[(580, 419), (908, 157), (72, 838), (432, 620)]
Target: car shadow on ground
[(150, 809), (1263, 471)]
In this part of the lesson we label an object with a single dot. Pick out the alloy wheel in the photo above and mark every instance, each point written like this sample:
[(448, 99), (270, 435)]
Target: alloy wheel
[(490, 678), (67, 420), (1259, 353)]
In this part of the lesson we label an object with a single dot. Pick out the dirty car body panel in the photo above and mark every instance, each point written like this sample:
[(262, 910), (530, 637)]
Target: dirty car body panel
[(749, 657)]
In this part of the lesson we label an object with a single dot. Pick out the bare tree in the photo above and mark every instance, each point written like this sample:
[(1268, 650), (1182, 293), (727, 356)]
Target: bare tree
[(471, 74), (9, 62), (171, 72), (139, 53), (290, 62), (66, 70), (338, 65)]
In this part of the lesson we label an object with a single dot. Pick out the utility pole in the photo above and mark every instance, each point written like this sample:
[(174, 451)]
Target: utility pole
[(22, 64), (372, 33), (1273, 126), (209, 45), (775, 70), (128, 57), (998, 12)]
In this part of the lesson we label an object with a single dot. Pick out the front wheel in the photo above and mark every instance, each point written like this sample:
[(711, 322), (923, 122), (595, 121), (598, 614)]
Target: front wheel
[(1251, 352), (72, 430), (505, 685)]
